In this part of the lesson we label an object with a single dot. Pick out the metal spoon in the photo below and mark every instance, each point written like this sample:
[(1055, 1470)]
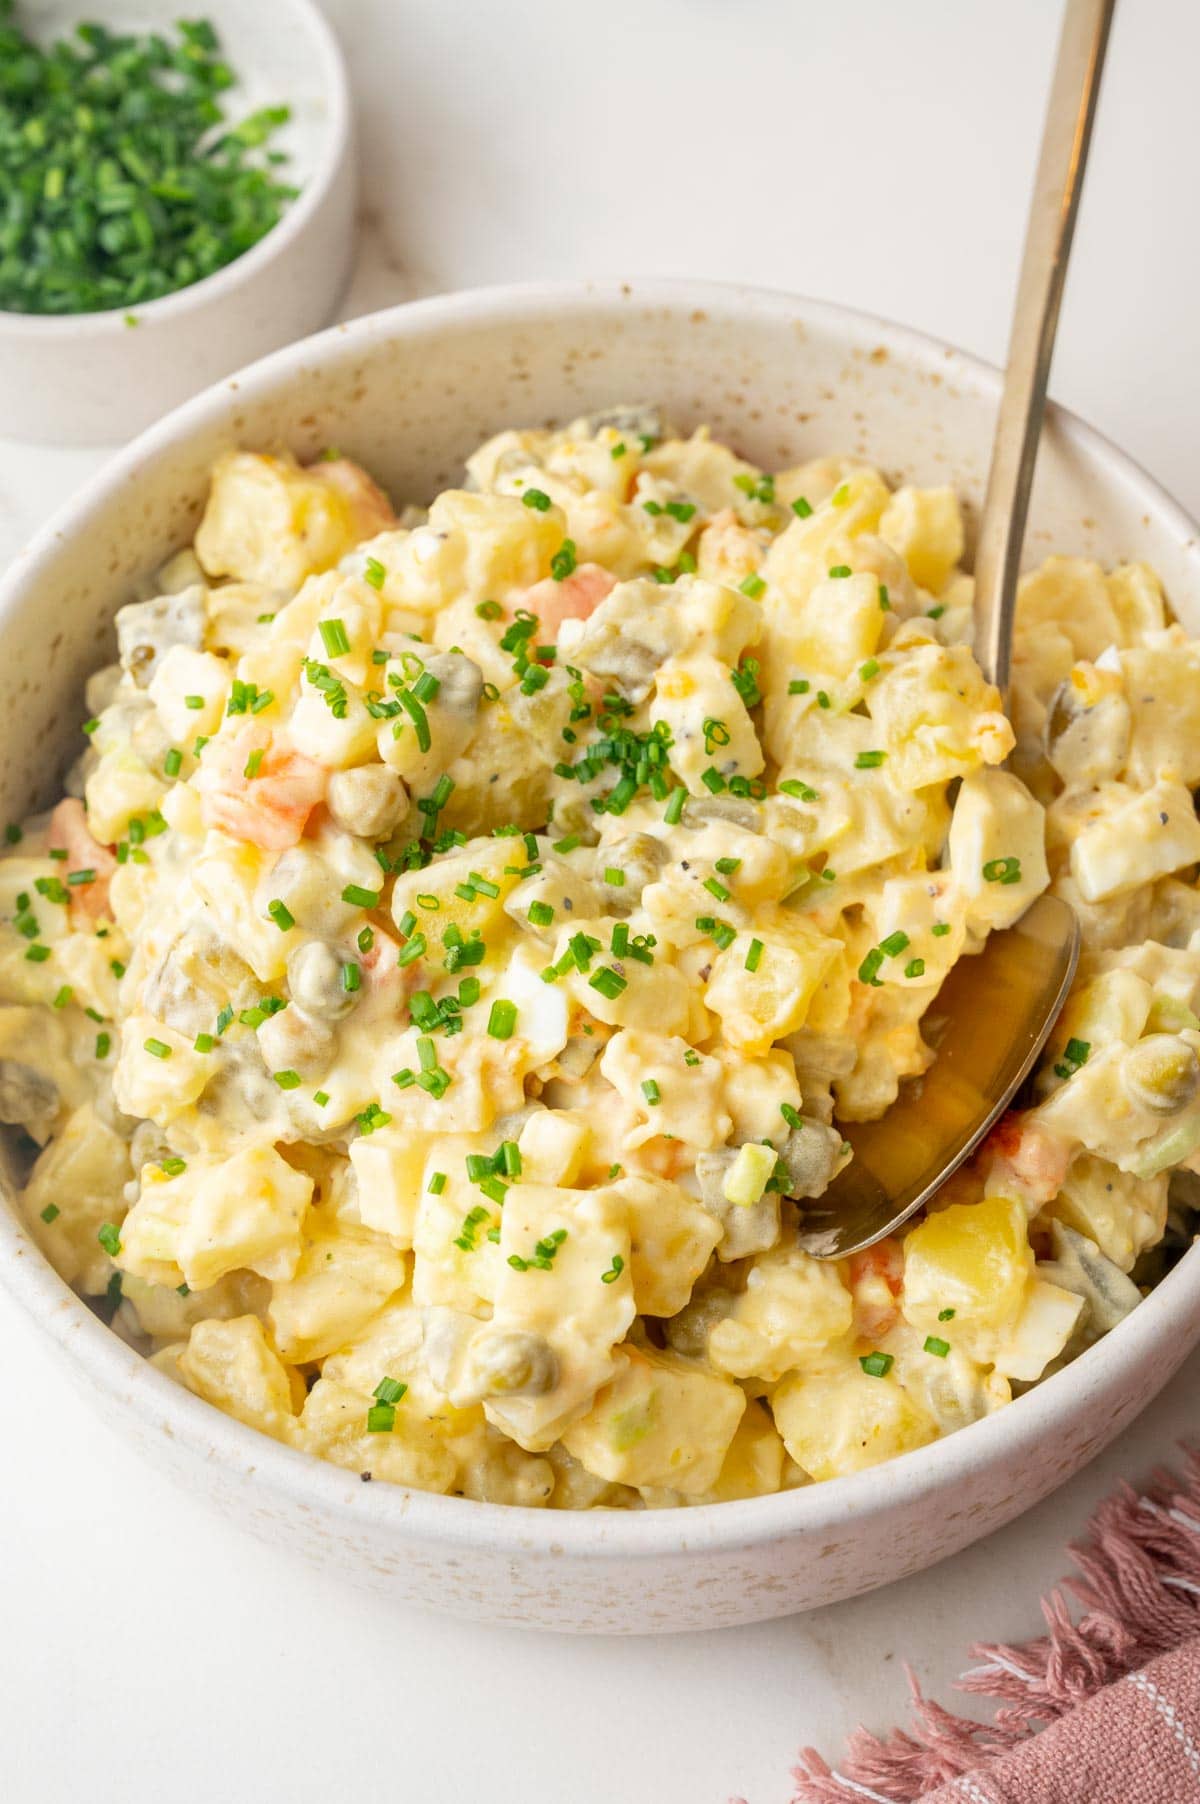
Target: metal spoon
[(995, 1011)]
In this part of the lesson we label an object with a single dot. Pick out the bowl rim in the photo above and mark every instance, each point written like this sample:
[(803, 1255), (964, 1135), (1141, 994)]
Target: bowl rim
[(333, 83), (1169, 1316)]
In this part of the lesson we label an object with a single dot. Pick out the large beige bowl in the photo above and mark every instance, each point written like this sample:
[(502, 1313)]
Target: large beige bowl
[(410, 392)]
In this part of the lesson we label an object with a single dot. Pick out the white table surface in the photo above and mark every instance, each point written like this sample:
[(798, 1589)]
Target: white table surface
[(878, 155)]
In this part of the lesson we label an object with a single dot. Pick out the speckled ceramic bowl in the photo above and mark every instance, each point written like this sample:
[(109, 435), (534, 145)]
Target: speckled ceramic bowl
[(410, 392)]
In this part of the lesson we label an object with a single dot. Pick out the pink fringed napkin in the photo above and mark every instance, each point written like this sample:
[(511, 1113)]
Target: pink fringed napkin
[(1103, 1710)]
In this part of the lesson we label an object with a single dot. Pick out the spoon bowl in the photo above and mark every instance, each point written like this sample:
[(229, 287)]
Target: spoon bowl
[(985, 1051)]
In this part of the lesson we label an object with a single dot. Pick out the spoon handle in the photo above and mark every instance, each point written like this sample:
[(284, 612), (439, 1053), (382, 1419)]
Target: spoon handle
[(1057, 185)]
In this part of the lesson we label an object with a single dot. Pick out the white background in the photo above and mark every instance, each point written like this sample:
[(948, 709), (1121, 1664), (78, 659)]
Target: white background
[(879, 154)]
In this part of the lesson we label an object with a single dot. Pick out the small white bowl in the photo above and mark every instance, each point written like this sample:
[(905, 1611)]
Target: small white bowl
[(95, 378), (410, 392)]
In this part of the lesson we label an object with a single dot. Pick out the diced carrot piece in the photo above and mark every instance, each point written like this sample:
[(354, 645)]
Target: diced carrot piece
[(69, 832)]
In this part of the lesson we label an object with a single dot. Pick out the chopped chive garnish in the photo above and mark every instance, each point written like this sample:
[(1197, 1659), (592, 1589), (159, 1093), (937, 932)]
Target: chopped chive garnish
[(876, 1365), (674, 807), (1075, 1054), (50, 1213), (945, 1315), (157, 1048), (254, 762), (103, 1045), (287, 1080), (562, 563), (939, 1348), (538, 499), (868, 971), (651, 1092), (894, 943), (939, 929), (359, 897), (802, 792), (64, 996), (173, 762), (540, 914), (754, 955), (334, 637), (281, 914), (381, 1418), (109, 1236), (839, 570), (376, 575), (801, 507), (203, 1043), (610, 983), (502, 1019), (869, 760), (791, 1115), (799, 686), (753, 586), (416, 713), (351, 977), (1002, 870), (915, 967), (614, 1270)]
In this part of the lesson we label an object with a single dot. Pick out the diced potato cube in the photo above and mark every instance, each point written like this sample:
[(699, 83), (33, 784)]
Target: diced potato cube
[(1122, 1214), (231, 1365), (835, 629), (1136, 839), (390, 1168), (185, 675), (553, 1145), (660, 1421), (759, 1007), (974, 1258), (792, 1307), (342, 1280), (925, 527), (150, 1084), (997, 849), (671, 1094), (1162, 683), (690, 691), (754, 1460), (80, 1179), (579, 1299), (843, 1420), (475, 909), (247, 1212), (671, 1238), (936, 716)]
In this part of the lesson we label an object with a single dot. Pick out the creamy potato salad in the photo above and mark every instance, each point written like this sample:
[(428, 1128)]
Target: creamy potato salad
[(438, 994)]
